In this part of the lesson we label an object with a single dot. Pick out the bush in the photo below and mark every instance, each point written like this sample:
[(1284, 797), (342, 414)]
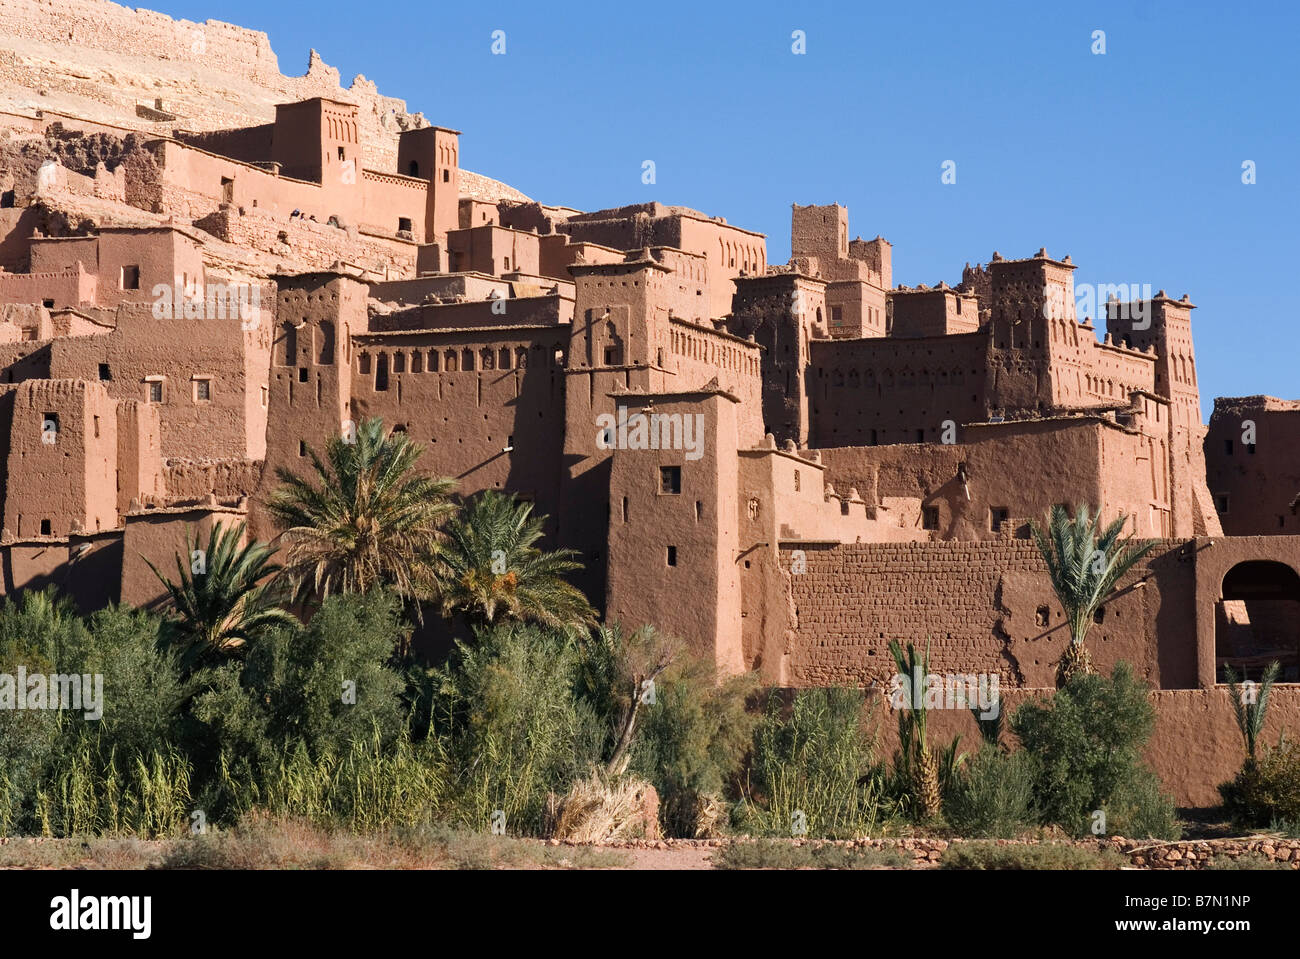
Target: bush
[(818, 762), (1086, 749), (122, 774), (506, 713), (692, 745), (993, 799), (987, 855), (1139, 810), (779, 854), (1267, 790), (305, 700)]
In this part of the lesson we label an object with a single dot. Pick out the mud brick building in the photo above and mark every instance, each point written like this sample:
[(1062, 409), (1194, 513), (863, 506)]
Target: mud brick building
[(193, 295)]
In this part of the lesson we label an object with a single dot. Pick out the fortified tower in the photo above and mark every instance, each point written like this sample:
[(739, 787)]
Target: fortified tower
[(433, 154), (1024, 294)]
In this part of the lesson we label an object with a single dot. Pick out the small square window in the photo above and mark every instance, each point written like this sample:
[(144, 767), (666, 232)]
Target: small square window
[(202, 391), (302, 374), (930, 517), (49, 428), (672, 555), (670, 479), (998, 516), (104, 372), (155, 391), (446, 176), (1221, 502), (45, 527), (403, 224), (48, 304), (130, 277)]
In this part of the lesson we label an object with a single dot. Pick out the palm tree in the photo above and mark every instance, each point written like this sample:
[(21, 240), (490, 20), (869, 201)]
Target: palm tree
[(1250, 711), (224, 594), (491, 569), (369, 520), (1085, 563), (916, 763)]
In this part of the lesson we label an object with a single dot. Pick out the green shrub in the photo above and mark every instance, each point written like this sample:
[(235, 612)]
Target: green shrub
[(122, 774), (988, 855), (816, 761), (1138, 809), (300, 703), (507, 714), (1086, 749), (692, 744), (783, 854), (1266, 790), (993, 797)]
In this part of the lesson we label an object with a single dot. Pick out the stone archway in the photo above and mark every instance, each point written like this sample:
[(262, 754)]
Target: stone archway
[(1257, 620)]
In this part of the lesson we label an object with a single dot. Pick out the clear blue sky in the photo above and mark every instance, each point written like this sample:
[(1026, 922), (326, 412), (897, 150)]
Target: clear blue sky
[(1131, 161)]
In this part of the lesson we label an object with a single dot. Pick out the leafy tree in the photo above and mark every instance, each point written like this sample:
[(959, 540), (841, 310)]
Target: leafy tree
[(491, 568), (1086, 744), (368, 519), (1085, 563), (224, 594)]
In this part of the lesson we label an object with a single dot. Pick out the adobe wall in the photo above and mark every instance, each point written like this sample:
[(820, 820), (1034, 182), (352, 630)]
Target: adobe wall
[(193, 480), (987, 607), (159, 535), (895, 387), (466, 418), (85, 568), (780, 311), (1057, 461), (1261, 483), (313, 243), (66, 288), (932, 312), (215, 349), (16, 227)]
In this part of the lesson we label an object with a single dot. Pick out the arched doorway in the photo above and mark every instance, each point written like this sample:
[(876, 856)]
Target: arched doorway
[(1257, 620)]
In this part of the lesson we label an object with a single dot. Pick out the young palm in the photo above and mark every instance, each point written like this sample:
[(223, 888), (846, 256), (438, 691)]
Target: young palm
[(920, 767), (368, 520), (224, 594), (1085, 563), (490, 568), (1250, 706)]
